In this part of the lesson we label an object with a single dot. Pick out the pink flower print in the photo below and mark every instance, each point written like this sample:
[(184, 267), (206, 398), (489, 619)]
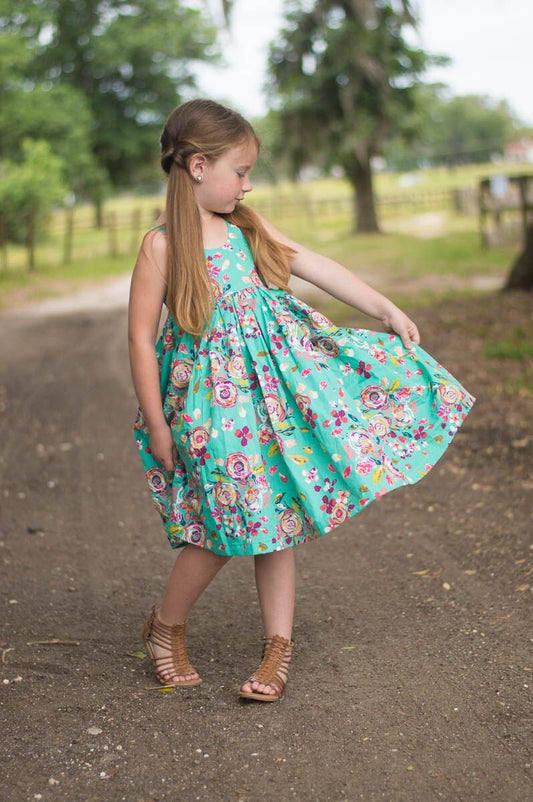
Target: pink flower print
[(253, 499), (228, 423), (327, 504), (339, 415), (252, 529), (327, 346), (374, 397), (403, 393), (420, 433), (195, 534), (238, 466), (157, 480), (225, 393), (392, 469), (277, 341), (364, 369), (199, 438), (329, 485), (303, 402), (361, 442), (449, 394), (275, 408), (379, 425), (290, 522), (202, 455), (216, 289), (181, 373), (310, 475), (378, 353), (215, 360), (225, 494), (266, 434), (338, 514), (236, 367), (323, 385), (168, 341), (320, 321), (402, 414), (365, 466), (244, 435)]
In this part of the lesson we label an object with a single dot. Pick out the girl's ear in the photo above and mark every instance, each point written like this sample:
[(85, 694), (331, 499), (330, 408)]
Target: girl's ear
[(197, 163)]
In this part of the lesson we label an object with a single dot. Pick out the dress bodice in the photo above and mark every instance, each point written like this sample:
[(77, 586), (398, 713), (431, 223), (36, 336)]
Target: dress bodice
[(231, 267)]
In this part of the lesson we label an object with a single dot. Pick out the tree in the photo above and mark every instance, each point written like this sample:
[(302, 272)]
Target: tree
[(130, 60), (28, 190), (457, 130), (345, 77), (57, 113)]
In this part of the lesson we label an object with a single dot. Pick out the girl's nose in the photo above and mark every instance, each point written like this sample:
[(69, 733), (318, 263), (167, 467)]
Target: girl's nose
[(247, 186)]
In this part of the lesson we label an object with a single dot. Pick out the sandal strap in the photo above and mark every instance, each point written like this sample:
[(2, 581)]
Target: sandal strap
[(274, 669), (172, 639)]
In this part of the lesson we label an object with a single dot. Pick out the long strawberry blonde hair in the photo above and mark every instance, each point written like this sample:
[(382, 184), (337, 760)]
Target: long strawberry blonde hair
[(206, 127)]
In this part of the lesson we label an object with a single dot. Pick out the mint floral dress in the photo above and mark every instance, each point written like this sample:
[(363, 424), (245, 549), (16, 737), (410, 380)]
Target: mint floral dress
[(285, 424)]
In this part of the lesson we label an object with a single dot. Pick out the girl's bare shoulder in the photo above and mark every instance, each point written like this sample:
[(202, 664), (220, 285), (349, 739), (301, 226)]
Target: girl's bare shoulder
[(154, 250)]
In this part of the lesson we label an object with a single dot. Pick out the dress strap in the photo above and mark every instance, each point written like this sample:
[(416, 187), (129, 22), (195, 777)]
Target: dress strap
[(161, 228)]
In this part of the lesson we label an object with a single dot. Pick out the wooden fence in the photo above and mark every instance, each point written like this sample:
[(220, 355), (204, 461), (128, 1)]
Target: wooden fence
[(73, 234)]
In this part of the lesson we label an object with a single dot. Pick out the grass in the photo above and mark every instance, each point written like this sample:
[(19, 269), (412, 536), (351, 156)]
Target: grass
[(516, 346)]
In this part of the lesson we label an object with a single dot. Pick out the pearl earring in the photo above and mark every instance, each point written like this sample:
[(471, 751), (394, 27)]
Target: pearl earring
[(199, 179)]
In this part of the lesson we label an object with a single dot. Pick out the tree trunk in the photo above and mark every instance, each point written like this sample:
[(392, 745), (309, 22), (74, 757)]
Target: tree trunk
[(521, 275), (30, 240), (364, 203)]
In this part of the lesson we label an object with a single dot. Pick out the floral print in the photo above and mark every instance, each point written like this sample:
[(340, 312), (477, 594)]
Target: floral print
[(285, 424)]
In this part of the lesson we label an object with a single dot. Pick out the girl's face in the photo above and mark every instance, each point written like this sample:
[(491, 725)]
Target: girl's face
[(224, 181)]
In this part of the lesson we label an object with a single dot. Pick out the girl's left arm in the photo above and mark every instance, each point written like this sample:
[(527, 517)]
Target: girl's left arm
[(344, 285)]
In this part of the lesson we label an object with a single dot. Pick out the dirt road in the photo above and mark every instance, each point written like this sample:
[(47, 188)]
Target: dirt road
[(412, 674)]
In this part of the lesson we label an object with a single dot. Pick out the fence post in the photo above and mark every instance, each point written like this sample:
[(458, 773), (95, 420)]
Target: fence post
[(112, 228), (69, 227), (135, 227), (3, 241), (30, 240)]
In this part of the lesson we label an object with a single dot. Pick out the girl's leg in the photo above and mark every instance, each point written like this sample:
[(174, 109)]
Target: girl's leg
[(275, 581), (193, 570)]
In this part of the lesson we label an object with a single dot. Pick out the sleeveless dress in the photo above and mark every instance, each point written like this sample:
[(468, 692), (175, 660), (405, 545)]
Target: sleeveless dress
[(285, 424)]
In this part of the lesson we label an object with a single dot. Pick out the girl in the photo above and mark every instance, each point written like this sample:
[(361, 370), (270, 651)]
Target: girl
[(262, 425)]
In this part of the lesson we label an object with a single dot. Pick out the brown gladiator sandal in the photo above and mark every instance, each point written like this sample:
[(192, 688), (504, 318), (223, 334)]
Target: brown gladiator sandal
[(176, 662), (273, 671)]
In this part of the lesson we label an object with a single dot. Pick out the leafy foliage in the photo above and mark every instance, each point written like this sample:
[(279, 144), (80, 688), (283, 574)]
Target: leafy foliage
[(29, 189), (344, 74), (468, 129), (130, 61)]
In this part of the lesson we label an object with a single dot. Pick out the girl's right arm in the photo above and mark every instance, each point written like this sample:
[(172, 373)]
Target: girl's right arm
[(147, 293)]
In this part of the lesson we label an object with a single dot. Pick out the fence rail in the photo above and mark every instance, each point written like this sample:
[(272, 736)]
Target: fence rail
[(73, 234)]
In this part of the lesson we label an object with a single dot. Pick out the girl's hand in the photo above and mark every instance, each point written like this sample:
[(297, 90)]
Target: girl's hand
[(162, 447), (398, 322)]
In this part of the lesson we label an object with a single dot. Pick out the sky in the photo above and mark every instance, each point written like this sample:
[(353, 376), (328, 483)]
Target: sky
[(489, 41)]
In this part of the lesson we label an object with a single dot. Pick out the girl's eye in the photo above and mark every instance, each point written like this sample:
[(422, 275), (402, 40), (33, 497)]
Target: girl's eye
[(240, 174)]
